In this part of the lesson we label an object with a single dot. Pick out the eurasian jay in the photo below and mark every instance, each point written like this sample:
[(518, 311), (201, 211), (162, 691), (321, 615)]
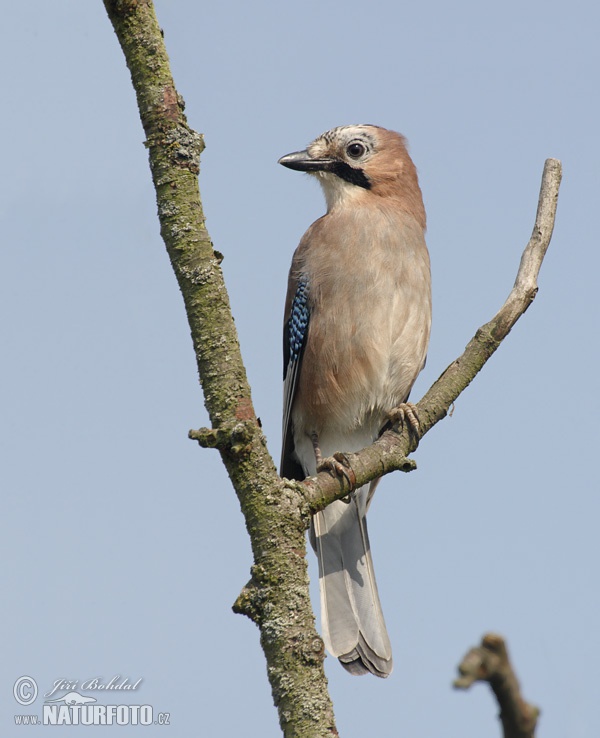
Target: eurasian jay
[(356, 331)]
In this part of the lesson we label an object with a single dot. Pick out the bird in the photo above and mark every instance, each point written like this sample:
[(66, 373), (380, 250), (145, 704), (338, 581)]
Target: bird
[(356, 333)]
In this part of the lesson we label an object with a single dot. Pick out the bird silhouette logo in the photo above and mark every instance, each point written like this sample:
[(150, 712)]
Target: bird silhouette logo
[(73, 698)]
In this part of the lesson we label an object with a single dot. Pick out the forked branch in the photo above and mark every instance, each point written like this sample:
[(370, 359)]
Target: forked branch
[(276, 511)]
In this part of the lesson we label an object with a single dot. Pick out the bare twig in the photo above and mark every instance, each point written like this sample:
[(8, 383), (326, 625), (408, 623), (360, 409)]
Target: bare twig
[(490, 663), (390, 451)]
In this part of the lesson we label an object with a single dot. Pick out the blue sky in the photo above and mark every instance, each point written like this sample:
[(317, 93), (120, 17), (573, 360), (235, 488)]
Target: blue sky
[(122, 541)]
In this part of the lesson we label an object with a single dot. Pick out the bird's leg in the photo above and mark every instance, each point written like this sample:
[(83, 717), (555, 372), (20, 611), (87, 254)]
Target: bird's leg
[(314, 437), (406, 414), (337, 464)]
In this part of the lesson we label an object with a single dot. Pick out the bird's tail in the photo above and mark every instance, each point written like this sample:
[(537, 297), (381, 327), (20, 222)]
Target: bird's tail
[(352, 621)]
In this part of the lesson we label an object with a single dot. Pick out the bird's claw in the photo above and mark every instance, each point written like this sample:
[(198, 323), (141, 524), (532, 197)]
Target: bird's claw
[(338, 466), (406, 414)]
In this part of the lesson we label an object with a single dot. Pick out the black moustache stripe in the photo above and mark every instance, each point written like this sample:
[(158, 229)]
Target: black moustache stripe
[(350, 174)]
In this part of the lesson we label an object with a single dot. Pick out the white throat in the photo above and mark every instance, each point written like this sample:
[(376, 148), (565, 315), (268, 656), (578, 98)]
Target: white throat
[(338, 192)]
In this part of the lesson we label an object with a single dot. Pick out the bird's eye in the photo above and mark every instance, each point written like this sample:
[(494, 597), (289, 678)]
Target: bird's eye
[(355, 150)]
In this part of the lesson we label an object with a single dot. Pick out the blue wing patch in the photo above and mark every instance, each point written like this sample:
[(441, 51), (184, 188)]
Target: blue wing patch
[(295, 332), (297, 326)]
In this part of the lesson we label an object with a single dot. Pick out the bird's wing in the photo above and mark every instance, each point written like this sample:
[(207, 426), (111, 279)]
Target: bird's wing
[(295, 334)]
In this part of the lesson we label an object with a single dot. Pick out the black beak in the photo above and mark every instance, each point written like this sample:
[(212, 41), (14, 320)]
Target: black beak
[(301, 162)]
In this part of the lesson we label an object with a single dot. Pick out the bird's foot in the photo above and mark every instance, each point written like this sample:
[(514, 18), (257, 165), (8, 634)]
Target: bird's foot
[(406, 414), (337, 465)]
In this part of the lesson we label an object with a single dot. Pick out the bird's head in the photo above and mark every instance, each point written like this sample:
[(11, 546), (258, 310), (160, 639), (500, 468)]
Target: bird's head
[(359, 162)]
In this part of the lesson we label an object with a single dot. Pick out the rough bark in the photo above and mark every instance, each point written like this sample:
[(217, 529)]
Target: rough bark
[(276, 511), (278, 597)]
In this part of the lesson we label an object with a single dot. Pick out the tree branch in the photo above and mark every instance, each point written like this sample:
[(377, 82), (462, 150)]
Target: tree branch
[(389, 453), (490, 663), (278, 598), (276, 511)]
